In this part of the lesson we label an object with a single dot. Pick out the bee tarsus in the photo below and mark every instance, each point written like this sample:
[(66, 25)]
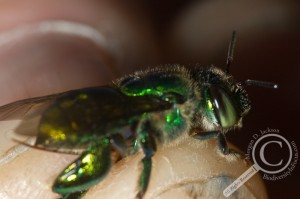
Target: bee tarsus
[(222, 144)]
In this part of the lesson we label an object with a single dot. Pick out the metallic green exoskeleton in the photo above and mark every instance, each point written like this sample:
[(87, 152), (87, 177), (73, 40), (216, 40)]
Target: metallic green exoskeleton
[(136, 113)]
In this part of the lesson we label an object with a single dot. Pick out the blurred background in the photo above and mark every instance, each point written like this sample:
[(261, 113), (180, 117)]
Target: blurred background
[(268, 49), (165, 32)]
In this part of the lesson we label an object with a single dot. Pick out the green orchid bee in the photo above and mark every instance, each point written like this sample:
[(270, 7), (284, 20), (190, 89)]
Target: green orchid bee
[(135, 114)]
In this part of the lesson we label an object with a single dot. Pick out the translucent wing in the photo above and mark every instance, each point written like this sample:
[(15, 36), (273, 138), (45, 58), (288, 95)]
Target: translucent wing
[(26, 108), (29, 111)]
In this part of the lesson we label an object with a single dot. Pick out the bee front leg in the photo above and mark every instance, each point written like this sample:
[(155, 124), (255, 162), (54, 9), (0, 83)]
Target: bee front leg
[(226, 150), (87, 170), (222, 143), (200, 135), (148, 145), (223, 146)]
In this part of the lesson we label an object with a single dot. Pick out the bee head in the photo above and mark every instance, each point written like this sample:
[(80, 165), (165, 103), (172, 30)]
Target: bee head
[(223, 101)]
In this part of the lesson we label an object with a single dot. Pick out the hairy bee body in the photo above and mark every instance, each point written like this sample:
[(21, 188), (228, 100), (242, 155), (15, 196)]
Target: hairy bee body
[(155, 106)]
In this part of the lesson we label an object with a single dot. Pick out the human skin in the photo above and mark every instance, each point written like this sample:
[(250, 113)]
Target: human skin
[(44, 63)]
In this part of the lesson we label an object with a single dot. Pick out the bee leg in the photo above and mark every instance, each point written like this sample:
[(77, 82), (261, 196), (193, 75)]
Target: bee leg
[(222, 143), (87, 170), (205, 135), (148, 145), (214, 134), (226, 150)]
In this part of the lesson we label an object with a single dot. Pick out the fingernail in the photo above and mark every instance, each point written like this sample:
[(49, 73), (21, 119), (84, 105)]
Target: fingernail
[(52, 56)]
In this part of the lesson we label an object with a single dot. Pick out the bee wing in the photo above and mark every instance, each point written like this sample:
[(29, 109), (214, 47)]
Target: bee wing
[(26, 108), (29, 112)]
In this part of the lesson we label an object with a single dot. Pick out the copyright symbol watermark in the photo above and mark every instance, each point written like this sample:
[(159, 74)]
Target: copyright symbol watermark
[(271, 154)]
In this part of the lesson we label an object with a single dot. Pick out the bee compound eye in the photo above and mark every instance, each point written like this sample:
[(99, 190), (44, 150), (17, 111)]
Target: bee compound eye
[(219, 106)]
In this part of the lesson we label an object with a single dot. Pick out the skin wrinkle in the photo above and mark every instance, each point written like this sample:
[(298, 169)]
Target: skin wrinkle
[(170, 165)]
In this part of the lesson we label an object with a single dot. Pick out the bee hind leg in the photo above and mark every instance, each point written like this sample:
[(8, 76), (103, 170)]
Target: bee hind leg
[(87, 170)]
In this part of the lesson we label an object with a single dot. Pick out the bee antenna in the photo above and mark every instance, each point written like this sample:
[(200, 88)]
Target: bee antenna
[(263, 84), (230, 51)]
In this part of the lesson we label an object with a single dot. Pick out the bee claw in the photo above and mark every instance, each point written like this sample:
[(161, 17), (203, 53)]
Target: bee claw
[(139, 195)]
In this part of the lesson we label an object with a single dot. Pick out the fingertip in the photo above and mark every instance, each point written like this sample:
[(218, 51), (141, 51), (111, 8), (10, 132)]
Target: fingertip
[(190, 169)]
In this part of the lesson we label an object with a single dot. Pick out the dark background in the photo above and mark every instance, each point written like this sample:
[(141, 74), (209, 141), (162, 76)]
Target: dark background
[(268, 48)]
